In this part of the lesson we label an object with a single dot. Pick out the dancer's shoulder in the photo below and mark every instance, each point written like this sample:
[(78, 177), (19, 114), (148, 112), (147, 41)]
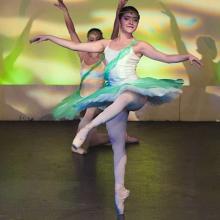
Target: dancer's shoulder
[(106, 42), (143, 45)]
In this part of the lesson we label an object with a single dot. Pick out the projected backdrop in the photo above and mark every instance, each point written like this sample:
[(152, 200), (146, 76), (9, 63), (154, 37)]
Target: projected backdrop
[(177, 26)]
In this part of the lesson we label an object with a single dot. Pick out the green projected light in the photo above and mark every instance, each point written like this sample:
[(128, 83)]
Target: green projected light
[(173, 26)]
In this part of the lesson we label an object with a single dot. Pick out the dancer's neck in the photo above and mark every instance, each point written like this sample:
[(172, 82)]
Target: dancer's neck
[(124, 36)]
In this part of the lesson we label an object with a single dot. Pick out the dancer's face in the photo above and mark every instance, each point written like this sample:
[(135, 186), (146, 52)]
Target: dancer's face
[(129, 22), (93, 37)]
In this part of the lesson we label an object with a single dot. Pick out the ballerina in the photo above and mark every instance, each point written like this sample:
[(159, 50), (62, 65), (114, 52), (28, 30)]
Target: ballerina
[(123, 90), (92, 67)]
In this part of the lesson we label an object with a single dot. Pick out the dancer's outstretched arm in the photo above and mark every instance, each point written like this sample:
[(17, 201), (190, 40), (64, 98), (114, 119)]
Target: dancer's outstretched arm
[(149, 51), (93, 47), (121, 4)]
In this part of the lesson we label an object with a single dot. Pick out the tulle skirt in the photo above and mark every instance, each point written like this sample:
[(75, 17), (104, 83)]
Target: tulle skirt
[(157, 91)]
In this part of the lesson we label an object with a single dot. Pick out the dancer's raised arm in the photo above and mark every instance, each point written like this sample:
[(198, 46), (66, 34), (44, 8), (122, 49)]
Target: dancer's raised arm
[(69, 22), (95, 46), (121, 4), (149, 51)]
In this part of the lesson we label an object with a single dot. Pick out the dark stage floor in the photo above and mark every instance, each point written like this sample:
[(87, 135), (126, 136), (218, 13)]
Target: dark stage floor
[(174, 174)]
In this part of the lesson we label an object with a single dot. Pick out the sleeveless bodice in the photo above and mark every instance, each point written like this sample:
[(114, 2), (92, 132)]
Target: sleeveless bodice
[(125, 69), (94, 80), (96, 73)]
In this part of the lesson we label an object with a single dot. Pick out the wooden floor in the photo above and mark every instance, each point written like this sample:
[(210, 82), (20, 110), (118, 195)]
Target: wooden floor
[(173, 174)]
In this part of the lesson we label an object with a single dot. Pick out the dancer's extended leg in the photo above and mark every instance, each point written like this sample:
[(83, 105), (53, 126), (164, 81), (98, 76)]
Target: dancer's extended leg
[(117, 134), (124, 101), (93, 138), (89, 114)]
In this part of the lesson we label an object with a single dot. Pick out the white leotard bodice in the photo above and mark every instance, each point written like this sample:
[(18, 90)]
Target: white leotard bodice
[(125, 69)]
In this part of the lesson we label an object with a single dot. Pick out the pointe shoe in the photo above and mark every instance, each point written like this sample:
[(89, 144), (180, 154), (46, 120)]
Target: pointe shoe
[(80, 138), (120, 196), (79, 150)]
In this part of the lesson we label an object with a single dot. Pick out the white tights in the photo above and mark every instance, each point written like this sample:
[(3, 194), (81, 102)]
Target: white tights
[(126, 101), (115, 116), (117, 133), (94, 137)]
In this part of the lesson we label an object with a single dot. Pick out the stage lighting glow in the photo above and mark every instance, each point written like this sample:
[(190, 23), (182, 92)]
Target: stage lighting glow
[(49, 64)]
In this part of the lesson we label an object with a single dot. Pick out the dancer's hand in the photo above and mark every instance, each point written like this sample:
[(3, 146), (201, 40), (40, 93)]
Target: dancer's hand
[(39, 38), (60, 4), (122, 3), (194, 60), (166, 10)]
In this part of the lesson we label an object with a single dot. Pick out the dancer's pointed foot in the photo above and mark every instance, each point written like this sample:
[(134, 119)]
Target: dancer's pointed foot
[(80, 137), (120, 196), (79, 150), (131, 140)]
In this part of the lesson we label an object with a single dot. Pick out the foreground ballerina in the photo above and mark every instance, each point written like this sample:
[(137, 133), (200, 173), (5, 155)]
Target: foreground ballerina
[(92, 67), (123, 90)]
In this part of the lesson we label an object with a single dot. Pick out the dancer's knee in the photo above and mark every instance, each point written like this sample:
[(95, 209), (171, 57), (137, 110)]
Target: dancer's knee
[(119, 155), (116, 136), (115, 140), (127, 97), (131, 98), (118, 145), (136, 102)]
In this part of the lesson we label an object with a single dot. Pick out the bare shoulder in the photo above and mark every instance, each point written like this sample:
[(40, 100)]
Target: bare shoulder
[(143, 44), (105, 42), (139, 46)]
